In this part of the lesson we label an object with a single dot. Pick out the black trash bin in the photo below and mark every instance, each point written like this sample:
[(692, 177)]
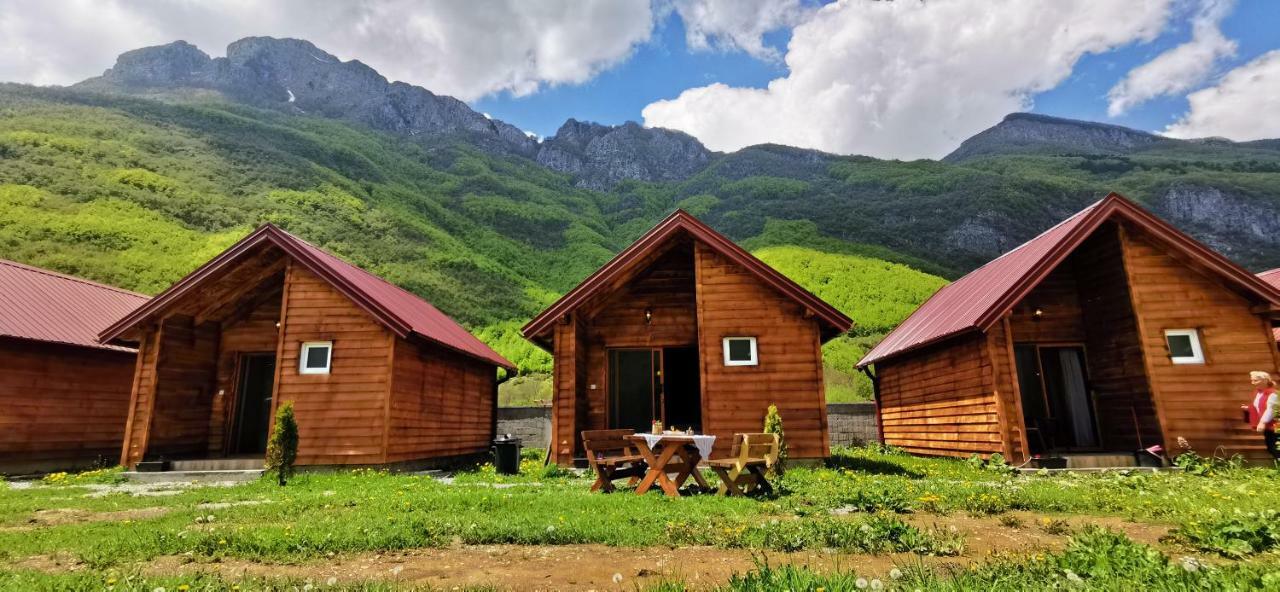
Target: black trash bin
[(506, 455)]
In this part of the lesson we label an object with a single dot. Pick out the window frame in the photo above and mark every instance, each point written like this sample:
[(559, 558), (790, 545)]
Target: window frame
[(755, 352), (306, 348), (1197, 348)]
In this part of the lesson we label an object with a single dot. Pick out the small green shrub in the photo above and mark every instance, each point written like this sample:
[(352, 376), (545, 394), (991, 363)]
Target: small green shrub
[(282, 448), (773, 425), (1236, 536)]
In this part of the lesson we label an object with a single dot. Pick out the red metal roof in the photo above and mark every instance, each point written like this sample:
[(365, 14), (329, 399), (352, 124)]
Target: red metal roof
[(977, 300), (1272, 277), (682, 221), (42, 305), (398, 309)]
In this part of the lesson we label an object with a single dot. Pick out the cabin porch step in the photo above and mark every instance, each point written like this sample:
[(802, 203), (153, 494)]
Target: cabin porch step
[(218, 464), (1100, 460), (193, 476)]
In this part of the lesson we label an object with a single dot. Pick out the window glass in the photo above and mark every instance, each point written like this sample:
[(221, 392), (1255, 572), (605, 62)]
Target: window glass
[(314, 357), (1180, 346), (1184, 346), (740, 351)]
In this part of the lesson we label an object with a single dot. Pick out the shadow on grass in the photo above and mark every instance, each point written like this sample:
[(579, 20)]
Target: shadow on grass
[(871, 466)]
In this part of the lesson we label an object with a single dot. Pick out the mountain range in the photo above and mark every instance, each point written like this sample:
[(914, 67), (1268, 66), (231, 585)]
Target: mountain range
[(136, 176)]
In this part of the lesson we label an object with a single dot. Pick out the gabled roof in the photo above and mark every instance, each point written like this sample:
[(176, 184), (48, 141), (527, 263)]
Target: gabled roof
[(398, 310), (1272, 277), (42, 305), (976, 301), (682, 221)]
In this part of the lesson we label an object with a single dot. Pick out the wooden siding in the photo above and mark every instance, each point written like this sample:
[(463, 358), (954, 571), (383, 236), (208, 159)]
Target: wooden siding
[(1058, 298), (61, 406), (141, 399), (1200, 402), (941, 401), (664, 287), (341, 415), (441, 403), (252, 331), (732, 302), (567, 377), (183, 390), (1117, 374), (1007, 394)]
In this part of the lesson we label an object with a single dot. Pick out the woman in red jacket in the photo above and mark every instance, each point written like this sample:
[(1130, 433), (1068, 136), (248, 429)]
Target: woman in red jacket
[(1261, 414)]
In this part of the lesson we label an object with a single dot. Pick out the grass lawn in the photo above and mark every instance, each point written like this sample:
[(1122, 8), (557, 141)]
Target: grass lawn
[(879, 519)]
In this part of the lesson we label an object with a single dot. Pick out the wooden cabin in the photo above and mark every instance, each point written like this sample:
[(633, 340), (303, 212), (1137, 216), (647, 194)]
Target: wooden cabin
[(688, 328), (1110, 332), (63, 395), (376, 375), (1272, 277)]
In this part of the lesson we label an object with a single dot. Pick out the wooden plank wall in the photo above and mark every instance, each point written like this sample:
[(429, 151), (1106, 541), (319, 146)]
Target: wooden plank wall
[(1006, 393), (665, 288), (61, 406), (1198, 402), (940, 401), (254, 332), (567, 384), (1116, 370), (732, 302), (184, 388), (1058, 297), (441, 403), (341, 415), (141, 400)]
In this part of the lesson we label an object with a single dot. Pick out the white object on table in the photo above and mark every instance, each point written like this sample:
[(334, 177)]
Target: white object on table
[(702, 442)]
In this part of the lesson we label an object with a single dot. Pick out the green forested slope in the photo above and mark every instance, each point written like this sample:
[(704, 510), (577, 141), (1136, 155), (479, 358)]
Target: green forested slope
[(136, 193)]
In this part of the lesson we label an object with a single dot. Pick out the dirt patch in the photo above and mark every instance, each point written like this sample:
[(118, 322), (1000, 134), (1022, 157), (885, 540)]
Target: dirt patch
[(56, 517), (568, 567), (986, 535)]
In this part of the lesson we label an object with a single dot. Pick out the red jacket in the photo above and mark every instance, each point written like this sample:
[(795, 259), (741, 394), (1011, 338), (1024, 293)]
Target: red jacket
[(1259, 408)]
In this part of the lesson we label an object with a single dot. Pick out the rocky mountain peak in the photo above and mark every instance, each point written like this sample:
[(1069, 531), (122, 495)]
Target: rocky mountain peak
[(599, 156), (1030, 132)]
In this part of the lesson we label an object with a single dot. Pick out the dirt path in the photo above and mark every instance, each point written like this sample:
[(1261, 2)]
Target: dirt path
[(599, 567)]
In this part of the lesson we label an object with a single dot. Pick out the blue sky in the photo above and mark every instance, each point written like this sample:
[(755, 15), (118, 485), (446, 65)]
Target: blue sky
[(902, 79), (665, 66)]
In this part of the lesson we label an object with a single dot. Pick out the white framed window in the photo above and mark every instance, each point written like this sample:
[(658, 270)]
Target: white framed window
[(740, 351), (315, 357), (1184, 346)]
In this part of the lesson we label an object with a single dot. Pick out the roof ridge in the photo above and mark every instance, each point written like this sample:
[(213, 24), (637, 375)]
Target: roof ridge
[(1085, 210), (64, 276)]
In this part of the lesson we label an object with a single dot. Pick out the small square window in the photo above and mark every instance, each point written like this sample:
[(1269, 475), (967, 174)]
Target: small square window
[(1184, 346), (315, 357), (740, 351)]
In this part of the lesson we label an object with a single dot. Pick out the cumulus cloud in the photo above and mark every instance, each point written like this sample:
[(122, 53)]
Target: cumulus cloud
[(909, 79), (1178, 69), (729, 25), (464, 49), (1241, 106)]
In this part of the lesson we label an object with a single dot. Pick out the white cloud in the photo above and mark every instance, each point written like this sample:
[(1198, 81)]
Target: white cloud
[(909, 79), (1180, 68), (1242, 106), (737, 24), (465, 49)]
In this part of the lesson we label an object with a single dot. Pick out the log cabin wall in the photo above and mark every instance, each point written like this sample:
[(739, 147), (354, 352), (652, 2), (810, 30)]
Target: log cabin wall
[(141, 398), (941, 401), (441, 403), (1200, 402), (61, 406), (666, 289), (253, 331), (731, 302), (183, 389), (341, 415), (1117, 374), (567, 379), (1007, 395)]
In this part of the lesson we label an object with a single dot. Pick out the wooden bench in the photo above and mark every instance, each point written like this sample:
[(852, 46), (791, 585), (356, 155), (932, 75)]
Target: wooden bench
[(744, 472), (612, 457)]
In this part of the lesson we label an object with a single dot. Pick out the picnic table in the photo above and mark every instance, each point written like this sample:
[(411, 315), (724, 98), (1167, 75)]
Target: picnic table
[(667, 454)]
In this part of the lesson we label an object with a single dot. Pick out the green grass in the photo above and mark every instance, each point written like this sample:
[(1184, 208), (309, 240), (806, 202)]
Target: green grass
[(1228, 512)]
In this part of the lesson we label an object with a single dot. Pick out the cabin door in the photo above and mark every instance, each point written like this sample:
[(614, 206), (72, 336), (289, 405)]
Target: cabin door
[(681, 388), (253, 404), (634, 388), (1056, 400)]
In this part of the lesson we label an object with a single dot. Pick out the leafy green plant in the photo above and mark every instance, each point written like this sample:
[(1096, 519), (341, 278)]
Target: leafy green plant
[(1238, 535), (773, 425), (282, 447)]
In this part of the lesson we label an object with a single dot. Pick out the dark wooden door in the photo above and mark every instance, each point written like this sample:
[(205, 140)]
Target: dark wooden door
[(681, 388), (253, 404), (634, 388), (1057, 403)]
